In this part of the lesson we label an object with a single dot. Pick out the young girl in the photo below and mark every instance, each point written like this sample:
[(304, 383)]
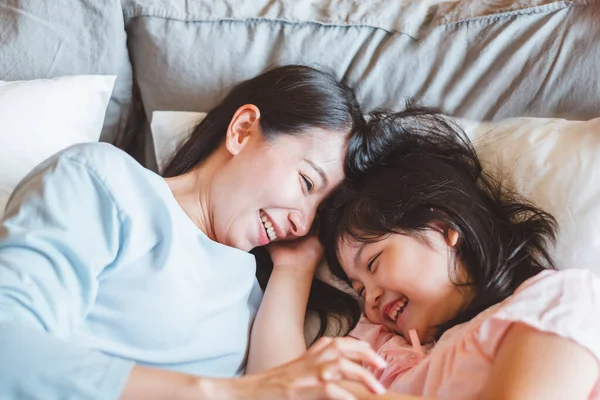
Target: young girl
[(461, 296)]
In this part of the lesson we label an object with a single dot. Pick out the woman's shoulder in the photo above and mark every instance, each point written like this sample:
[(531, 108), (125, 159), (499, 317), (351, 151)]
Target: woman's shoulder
[(121, 175), (101, 158), (95, 172)]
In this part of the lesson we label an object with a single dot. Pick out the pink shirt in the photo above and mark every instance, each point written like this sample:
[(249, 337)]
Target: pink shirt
[(565, 303)]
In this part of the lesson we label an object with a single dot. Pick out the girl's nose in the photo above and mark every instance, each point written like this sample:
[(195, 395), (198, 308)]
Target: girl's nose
[(373, 298)]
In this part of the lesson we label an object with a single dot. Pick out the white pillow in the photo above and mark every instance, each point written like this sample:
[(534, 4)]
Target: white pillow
[(38, 118), (556, 164), (553, 162), (169, 130)]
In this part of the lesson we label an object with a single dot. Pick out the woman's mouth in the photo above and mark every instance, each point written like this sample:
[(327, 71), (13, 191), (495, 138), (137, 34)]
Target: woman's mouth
[(268, 226)]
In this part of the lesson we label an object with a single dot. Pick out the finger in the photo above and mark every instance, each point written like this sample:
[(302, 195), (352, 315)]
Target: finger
[(352, 349), (348, 370), (333, 391), (328, 391), (320, 344)]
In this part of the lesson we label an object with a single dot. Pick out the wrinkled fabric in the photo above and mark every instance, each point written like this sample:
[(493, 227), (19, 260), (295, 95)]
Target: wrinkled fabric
[(484, 60), (458, 366), (42, 39)]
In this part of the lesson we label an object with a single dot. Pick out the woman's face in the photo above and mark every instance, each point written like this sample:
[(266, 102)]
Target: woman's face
[(405, 281), (269, 190)]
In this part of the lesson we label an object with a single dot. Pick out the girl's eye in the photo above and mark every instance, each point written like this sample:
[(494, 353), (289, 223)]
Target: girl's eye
[(307, 182), (372, 261), (361, 291)]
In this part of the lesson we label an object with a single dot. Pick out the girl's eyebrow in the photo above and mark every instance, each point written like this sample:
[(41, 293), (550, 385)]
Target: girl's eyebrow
[(358, 254)]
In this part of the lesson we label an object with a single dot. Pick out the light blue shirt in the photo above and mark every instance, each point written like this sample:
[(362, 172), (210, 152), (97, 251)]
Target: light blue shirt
[(100, 268)]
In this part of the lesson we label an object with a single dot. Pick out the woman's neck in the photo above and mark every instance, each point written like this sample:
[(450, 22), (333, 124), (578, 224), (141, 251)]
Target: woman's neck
[(192, 191)]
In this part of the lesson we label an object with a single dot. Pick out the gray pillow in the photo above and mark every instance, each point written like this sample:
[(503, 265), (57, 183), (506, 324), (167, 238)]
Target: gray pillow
[(473, 59), (49, 38)]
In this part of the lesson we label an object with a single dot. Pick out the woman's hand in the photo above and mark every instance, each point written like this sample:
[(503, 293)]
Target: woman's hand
[(318, 374), (305, 253)]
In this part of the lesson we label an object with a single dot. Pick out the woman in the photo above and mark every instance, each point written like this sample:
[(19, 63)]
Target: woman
[(118, 283)]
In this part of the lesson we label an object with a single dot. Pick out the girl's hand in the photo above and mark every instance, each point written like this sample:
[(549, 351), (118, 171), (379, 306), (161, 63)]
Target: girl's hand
[(318, 374), (305, 253)]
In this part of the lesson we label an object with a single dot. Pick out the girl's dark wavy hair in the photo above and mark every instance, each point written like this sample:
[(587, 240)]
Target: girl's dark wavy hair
[(293, 100), (417, 169)]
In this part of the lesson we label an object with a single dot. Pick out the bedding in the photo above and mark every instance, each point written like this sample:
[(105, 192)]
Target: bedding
[(555, 163), (41, 39), (487, 60), (169, 130), (41, 117)]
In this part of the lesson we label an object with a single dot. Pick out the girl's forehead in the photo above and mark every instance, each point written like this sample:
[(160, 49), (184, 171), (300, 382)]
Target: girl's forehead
[(349, 250)]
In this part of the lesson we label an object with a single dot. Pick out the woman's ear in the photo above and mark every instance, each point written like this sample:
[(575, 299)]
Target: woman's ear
[(451, 237), (243, 125)]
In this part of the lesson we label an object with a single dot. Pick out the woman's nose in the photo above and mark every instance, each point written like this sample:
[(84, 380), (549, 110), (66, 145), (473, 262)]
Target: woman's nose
[(299, 224)]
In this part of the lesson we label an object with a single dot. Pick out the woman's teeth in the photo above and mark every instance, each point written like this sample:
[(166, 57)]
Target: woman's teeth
[(268, 227), (397, 309)]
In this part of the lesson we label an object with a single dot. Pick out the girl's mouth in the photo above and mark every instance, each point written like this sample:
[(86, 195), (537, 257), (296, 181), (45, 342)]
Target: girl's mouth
[(395, 310)]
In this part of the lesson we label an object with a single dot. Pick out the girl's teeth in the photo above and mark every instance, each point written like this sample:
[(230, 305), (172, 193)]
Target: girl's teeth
[(398, 309)]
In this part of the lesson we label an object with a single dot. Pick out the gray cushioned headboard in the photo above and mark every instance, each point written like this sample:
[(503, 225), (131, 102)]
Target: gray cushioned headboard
[(482, 60), (50, 38)]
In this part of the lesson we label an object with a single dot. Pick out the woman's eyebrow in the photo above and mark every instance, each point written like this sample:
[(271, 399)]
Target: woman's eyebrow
[(319, 171)]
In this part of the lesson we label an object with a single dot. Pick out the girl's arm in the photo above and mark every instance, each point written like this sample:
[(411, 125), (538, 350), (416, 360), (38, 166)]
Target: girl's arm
[(278, 331), (535, 365)]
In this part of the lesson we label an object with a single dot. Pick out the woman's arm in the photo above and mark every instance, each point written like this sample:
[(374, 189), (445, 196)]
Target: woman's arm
[(535, 365), (61, 229), (278, 330), (299, 379), (155, 384)]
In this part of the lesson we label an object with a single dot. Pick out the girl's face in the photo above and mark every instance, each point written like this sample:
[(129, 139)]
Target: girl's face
[(405, 281), (269, 190)]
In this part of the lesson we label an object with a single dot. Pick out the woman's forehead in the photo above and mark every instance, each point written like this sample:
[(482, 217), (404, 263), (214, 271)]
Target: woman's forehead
[(317, 140)]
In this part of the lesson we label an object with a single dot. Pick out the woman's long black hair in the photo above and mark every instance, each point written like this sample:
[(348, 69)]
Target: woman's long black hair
[(416, 169), (292, 100)]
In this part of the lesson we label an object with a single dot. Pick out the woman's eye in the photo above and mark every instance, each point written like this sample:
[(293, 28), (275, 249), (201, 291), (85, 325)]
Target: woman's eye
[(307, 182), (370, 265), (361, 291)]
